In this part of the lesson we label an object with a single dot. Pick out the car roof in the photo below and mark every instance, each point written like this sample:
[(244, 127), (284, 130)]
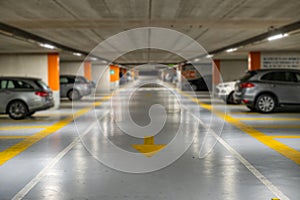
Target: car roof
[(277, 69), (69, 75), (19, 78)]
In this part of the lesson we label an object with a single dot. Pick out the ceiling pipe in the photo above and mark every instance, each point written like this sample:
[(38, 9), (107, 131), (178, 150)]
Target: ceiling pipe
[(12, 31)]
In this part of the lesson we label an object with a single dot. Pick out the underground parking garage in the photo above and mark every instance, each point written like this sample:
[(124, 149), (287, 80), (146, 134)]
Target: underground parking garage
[(149, 99)]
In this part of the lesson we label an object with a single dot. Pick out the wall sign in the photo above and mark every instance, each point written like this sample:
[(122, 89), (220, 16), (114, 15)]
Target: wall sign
[(280, 61)]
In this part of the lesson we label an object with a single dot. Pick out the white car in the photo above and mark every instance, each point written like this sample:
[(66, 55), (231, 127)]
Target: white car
[(225, 91)]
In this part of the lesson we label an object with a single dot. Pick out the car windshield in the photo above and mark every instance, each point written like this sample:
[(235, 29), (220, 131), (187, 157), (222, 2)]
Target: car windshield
[(42, 84)]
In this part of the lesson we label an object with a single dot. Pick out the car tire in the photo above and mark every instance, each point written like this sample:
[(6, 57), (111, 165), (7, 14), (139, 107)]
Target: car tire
[(17, 110), (30, 114), (251, 108), (265, 103), (194, 87), (230, 99), (73, 95)]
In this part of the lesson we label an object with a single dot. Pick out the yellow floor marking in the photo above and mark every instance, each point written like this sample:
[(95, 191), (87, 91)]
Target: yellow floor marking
[(268, 119), (16, 149), (276, 126), (279, 147), (12, 137), (256, 113), (285, 136), (8, 128), (149, 148)]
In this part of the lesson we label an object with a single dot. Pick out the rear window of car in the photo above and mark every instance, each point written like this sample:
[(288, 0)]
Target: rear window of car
[(43, 85), (80, 79), (247, 76)]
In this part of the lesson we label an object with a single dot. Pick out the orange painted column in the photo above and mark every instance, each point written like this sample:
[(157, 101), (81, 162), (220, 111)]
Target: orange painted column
[(254, 60), (88, 70), (53, 71), (216, 66), (114, 73), (53, 76)]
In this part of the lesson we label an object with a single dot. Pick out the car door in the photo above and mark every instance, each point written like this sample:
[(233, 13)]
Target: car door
[(3, 95), (298, 86), (63, 86), (282, 84)]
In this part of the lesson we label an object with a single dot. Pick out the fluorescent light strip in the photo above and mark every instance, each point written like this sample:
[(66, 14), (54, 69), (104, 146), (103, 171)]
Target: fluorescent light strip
[(276, 37), (48, 46), (231, 50), (209, 56), (77, 54)]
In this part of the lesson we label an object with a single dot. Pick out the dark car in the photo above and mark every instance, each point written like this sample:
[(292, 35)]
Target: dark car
[(74, 87), (266, 89), (21, 97)]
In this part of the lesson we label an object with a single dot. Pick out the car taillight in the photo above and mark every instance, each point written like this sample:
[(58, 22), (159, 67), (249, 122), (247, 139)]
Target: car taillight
[(247, 85), (42, 94)]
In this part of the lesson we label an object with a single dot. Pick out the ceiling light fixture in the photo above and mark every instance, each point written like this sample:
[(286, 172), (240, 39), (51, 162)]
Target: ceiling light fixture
[(209, 56), (278, 36), (231, 50), (93, 58), (77, 54), (48, 46), (197, 59)]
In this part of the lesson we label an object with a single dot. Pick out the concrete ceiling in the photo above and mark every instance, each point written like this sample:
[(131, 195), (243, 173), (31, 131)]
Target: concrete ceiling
[(83, 24)]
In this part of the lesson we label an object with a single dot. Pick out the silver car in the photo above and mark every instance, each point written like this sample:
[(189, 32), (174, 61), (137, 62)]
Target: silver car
[(21, 97), (265, 90), (74, 87)]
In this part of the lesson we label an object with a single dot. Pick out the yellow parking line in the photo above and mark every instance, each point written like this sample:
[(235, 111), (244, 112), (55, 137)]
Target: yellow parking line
[(276, 126), (13, 137), (279, 147), (268, 119), (285, 136), (30, 140), (256, 113), (8, 128)]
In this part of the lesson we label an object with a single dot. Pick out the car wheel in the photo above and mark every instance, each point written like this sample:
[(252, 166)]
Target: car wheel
[(73, 95), (30, 114), (251, 108), (230, 99), (265, 103), (194, 87), (17, 110)]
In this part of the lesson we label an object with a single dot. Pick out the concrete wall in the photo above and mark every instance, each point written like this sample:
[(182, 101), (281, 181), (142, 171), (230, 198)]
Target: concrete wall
[(101, 76), (28, 65), (233, 69), (31, 65), (72, 68)]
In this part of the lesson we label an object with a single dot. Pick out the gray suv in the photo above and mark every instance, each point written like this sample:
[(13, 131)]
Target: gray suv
[(21, 97), (264, 90), (74, 87)]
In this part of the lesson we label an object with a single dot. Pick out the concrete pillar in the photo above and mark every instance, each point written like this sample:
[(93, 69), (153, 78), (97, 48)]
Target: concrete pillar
[(43, 66), (114, 76), (53, 76), (254, 61), (101, 76), (71, 68), (88, 70), (216, 75)]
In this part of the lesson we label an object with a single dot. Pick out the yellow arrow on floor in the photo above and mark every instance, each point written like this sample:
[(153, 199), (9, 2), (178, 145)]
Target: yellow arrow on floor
[(148, 148)]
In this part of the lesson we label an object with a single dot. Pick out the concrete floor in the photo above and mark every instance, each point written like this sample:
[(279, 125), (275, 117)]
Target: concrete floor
[(52, 156)]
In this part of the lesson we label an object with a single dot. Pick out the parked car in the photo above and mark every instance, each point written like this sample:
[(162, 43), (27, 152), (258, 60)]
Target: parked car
[(225, 91), (21, 97), (265, 90), (74, 87)]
